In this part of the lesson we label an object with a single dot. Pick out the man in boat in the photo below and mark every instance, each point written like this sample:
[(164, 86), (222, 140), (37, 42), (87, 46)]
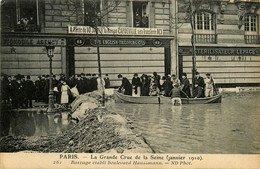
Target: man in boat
[(168, 85), (209, 88), (136, 82), (199, 86), (175, 80), (125, 84), (185, 85), (145, 86)]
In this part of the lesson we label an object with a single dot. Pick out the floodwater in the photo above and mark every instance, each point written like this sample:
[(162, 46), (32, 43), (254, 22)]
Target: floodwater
[(31, 123), (232, 126)]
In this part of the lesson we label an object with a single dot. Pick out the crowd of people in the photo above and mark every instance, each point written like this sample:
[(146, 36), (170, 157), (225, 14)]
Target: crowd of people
[(169, 86), (20, 90)]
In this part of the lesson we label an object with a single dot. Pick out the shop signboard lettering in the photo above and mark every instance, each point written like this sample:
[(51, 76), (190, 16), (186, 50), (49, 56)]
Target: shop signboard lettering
[(221, 51), (115, 30), (19, 41), (117, 42)]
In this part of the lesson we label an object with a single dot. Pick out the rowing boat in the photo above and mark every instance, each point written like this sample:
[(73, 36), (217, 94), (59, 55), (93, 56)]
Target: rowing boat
[(121, 98)]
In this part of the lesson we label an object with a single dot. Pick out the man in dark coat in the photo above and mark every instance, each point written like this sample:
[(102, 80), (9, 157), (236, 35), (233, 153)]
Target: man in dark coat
[(94, 82), (107, 81), (168, 86), (136, 82), (80, 84), (46, 89), (38, 88), (125, 84), (199, 85), (185, 86), (30, 91), (145, 86), (88, 82), (14, 91)]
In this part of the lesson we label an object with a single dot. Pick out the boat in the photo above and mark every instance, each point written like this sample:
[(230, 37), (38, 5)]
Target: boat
[(121, 98)]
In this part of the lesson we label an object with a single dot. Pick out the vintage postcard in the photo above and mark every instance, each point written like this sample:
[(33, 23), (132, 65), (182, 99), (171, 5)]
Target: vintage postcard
[(130, 84)]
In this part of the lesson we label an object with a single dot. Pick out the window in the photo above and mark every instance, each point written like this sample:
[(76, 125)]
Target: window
[(250, 23), (92, 12), (205, 28), (141, 14), (19, 15), (205, 21)]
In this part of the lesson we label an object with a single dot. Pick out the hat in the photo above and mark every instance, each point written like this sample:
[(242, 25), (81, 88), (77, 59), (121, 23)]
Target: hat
[(93, 74), (28, 77), (184, 74), (197, 73), (207, 74), (119, 76), (135, 74)]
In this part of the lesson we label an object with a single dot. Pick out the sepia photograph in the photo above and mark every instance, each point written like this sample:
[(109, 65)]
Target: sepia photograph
[(120, 77)]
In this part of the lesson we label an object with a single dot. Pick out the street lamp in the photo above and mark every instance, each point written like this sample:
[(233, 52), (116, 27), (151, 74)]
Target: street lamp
[(50, 52)]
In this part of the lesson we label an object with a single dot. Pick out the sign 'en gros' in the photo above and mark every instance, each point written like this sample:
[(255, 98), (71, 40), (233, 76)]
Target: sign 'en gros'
[(115, 30)]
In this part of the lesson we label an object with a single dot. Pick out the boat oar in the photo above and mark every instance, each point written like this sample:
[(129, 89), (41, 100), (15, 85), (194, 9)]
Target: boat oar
[(185, 95)]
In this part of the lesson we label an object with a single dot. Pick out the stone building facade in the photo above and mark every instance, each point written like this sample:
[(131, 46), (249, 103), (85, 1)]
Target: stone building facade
[(142, 41), (227, 35)]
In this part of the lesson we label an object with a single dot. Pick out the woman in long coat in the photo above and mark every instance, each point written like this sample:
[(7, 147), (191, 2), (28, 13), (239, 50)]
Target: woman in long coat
[(65, 89), (145, 86)]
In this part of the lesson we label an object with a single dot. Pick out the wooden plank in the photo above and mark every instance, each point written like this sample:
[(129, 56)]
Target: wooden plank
[(162, 17), (228, 69), (229, 74), (27, 49), (29, 65), (118, 50), (28, 57), (34, 72), (221, 58), (119, 63), (222, 64), (120, 57)]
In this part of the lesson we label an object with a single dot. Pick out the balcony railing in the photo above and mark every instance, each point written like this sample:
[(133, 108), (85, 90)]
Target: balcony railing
[(252, 39), (206, 38)]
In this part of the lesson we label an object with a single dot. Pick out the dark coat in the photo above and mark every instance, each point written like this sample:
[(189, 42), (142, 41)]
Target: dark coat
[(127, 86), (136, 82), (186, 87), (167, 87), (107, 82), (200, 82), (145, 87), (30, 89), (80, 86)]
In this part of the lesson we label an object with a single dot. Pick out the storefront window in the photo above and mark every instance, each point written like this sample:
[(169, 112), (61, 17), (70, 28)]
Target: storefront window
[(19, 15), (141, 14)]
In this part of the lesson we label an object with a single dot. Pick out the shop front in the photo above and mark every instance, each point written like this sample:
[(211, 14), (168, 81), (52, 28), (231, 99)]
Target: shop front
[(230, 66), (119, 55), (25, 55)]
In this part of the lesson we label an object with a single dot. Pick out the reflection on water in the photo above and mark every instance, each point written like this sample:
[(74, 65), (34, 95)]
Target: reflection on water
[(229, 127), (26, 123)]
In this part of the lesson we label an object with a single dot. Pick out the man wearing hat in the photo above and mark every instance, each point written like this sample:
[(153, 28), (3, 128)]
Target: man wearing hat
[(199, 86), (38, 89), (209, 88), (185, 85), (126, 85), (30, 91)]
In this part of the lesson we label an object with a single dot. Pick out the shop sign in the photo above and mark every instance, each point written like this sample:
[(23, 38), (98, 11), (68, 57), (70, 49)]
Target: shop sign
[(115, 30), (117, 42), (221, 51), (29, 41)]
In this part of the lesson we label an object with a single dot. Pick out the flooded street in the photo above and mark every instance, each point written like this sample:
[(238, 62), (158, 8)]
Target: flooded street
[(232, 126), (25, 123)]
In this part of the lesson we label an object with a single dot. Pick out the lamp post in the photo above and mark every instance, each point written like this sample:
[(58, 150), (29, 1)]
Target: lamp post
[(50, 52)]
